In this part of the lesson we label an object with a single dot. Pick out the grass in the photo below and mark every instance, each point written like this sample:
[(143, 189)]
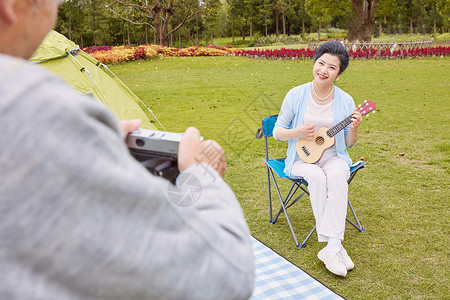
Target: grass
[(401, 197)]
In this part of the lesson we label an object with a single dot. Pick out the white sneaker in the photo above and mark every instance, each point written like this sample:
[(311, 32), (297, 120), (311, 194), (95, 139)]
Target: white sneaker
[(333, 259), (347, 260)]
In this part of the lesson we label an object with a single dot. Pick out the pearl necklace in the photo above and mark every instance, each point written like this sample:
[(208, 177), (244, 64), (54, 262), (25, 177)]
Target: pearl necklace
[(322, 99)]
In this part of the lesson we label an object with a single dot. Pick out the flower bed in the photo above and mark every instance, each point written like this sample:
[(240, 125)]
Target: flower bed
[(354, 54), (277, 53), (110, 55)]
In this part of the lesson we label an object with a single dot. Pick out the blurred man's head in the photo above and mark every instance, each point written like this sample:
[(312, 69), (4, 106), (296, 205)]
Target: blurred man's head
[(24, 24)]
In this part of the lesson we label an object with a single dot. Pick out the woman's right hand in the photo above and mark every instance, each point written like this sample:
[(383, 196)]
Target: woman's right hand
[(306, 131)]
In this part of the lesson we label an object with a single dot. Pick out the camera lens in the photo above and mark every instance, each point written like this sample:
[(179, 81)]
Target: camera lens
[(140, 142)]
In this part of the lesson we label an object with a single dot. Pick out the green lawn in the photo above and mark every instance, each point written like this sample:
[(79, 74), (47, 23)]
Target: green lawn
[(401, 197)]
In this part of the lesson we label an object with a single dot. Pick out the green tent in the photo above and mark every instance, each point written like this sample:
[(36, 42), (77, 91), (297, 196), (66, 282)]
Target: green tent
[(85, 74)]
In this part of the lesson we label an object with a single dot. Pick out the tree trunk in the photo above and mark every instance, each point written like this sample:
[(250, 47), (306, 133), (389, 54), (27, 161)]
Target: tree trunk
[(212, 40), (434, 23), (161, 25), (196, 26), (232, 28), (276, 21), (364, 13), (265, 24), (303, 27), (70, 29), (179, 38), (166, 24), (284, 23), (318, 38), (128, 34), (158, 24), (94, 21), (251, 29)]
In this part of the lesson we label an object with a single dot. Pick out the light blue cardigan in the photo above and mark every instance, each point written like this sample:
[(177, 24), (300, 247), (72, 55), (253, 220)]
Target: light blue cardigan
[(293, 111)]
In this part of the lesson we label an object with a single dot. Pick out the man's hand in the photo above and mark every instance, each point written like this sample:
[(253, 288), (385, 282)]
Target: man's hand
[(130, 125), (193, 150)]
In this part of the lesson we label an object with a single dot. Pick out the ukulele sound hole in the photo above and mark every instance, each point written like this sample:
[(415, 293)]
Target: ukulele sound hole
[(320, 140)]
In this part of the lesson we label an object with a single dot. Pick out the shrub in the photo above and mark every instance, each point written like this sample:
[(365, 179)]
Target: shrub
[(283, 39), (139, 53), (336, 33)]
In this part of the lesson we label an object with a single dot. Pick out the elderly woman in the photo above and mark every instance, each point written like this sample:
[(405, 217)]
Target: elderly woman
[(305, 109)]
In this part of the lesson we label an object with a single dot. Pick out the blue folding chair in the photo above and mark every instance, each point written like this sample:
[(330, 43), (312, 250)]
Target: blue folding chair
[(298, 183)]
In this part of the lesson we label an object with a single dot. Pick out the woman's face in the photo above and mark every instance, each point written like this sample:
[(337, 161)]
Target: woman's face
[(326, 69)]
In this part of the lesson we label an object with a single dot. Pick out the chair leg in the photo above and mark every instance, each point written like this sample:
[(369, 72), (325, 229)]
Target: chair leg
[(270, 193), (285, 205), (303, 245), (359, 227), (285, 202), (284, 209)]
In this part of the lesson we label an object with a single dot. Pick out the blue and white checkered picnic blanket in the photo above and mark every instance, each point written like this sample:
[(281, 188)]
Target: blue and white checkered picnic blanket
[(277, 278)]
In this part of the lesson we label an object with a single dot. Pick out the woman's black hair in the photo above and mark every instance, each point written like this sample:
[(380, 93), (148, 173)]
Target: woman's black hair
[(334, 48)]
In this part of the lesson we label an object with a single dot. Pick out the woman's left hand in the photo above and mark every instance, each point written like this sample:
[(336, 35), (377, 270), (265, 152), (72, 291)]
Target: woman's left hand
[(356, 119)]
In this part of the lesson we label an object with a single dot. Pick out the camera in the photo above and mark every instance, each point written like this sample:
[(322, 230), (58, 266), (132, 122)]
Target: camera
[(156, 150)]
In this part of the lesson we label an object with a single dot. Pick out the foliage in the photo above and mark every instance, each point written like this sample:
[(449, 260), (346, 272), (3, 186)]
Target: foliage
[(285, 39), (186, 22), (336, 33)]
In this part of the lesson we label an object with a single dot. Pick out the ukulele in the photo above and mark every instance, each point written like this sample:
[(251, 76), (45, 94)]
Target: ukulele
[(311, 150)]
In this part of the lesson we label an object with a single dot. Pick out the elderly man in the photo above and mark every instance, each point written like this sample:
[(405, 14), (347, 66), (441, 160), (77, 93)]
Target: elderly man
[(79, 217)]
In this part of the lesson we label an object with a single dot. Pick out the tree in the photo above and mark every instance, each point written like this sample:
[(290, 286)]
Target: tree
[(296, 14), (233, 12), (212, 19), (250, 13), (432, 8), (266, 10), (320, 10), (361, 26), (157, 14), (294, 11), (444, 10), (385, 9)]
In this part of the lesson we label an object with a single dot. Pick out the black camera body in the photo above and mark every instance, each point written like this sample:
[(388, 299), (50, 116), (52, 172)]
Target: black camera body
[(156, 150)]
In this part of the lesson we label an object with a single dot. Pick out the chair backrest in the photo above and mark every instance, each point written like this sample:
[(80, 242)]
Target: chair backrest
[(268, 123)]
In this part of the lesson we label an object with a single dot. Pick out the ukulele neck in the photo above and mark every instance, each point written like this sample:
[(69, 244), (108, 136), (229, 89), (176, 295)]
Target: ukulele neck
[(339, 126)]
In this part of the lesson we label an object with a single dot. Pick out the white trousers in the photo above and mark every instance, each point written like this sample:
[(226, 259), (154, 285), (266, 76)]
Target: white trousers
[(328, 188)]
